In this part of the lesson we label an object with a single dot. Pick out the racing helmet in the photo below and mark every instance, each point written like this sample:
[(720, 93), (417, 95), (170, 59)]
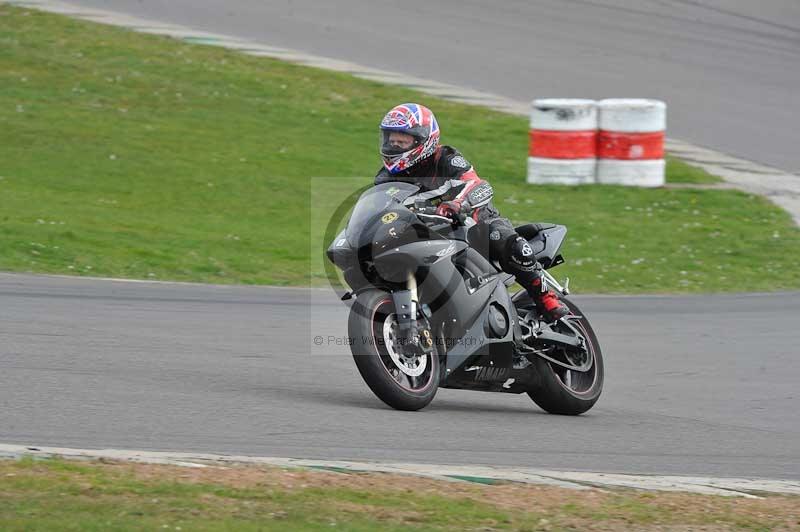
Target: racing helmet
[(409, 133)]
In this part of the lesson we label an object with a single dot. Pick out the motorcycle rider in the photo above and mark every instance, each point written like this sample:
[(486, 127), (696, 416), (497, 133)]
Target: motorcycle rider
[(409, 145)]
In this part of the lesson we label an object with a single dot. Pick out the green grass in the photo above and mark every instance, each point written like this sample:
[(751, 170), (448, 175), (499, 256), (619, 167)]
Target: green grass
[(681, 172), (139, 156), (59, 495)]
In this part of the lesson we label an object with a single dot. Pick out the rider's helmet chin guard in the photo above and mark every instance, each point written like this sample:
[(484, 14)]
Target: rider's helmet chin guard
[(412, 119)]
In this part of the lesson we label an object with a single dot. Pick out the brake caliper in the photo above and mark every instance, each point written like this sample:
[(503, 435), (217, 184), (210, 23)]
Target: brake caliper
[(425, 340)]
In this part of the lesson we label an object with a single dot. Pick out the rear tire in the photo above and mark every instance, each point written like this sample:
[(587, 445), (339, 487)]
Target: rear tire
[(390, 377), (565, 392)]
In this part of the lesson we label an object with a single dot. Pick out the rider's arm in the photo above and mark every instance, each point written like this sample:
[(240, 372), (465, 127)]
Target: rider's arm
[(475, 194)]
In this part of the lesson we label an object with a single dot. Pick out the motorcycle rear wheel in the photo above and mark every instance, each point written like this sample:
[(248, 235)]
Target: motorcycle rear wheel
[(404, 383), (561, 391)]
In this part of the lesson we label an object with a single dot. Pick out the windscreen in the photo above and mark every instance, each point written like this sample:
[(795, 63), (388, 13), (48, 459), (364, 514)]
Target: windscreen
[(374, 202)]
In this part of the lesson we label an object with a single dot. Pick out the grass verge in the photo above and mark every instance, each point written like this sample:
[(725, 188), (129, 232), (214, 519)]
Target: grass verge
[(138, 156), (680, 172), (62, 495)]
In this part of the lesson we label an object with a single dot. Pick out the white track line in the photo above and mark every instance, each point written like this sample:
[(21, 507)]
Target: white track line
[(729, 487), (783, 188)]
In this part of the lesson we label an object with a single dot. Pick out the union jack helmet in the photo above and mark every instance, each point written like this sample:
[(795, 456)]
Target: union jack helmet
[(412, 119)]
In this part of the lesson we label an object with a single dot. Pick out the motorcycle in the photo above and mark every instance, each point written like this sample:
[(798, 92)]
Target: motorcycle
[(429, 311)]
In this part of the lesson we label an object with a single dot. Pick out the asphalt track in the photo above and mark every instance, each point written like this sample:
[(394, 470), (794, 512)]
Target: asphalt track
[(695, 385), (729, 69)]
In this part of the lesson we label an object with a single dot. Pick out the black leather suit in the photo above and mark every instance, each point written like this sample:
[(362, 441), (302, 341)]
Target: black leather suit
[(493, 236)]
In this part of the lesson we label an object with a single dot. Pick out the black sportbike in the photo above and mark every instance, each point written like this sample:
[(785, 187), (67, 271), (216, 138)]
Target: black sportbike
[(430, 311)]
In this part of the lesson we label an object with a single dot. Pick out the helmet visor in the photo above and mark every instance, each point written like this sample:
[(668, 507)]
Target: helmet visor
[(394, 143)]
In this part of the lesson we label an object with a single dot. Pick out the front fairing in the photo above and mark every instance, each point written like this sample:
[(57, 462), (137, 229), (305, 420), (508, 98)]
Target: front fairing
[(380, 221)]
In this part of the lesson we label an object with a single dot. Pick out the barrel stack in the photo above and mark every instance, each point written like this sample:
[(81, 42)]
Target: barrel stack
[(611, 142), (563, 142), (630, 143)]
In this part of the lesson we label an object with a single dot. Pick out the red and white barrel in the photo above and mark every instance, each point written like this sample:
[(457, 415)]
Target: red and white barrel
[(563, 141), (630, 143)]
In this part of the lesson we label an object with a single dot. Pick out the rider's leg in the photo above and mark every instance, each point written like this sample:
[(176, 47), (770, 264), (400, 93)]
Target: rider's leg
[(516, 257)]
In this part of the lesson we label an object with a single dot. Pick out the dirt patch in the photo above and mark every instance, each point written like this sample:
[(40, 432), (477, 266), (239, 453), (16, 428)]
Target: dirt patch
[(549, 507), (569, 505), (247, 476)]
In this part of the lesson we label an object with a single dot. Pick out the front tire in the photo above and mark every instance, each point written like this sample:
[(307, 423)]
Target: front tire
[(404, 383), (561, 391)]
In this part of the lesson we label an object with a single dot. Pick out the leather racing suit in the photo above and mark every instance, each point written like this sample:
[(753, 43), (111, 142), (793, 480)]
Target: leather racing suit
[(493, 236)]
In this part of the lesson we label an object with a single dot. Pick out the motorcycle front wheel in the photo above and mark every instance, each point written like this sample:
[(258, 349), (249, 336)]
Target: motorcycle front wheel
[(402, 382)]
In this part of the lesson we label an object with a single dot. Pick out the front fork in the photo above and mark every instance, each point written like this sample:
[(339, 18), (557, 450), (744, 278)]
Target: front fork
[(406, 303)]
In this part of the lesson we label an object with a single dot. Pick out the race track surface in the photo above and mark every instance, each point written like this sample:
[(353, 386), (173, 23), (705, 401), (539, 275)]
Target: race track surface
[(695, 385), (729, 69)]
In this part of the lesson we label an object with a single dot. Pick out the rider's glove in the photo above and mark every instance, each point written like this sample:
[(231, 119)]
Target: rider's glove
[(450, 209)]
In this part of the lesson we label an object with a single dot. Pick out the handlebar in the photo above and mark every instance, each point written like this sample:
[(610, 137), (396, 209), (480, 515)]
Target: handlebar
[(435, 217), (420, 205)]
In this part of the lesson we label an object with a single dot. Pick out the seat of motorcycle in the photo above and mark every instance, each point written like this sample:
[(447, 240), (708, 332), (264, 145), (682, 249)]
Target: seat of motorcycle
[(529, 231)]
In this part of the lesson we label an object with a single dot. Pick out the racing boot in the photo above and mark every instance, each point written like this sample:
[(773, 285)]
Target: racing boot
[(529, 273), (547, 302)]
